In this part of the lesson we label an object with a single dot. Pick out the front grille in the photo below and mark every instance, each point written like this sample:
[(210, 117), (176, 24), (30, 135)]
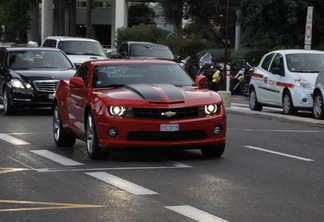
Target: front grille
[(178, 113), (46, 85), (167, 136)]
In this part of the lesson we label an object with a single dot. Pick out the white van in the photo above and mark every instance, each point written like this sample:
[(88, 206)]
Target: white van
[(286, 79), (78, 50)]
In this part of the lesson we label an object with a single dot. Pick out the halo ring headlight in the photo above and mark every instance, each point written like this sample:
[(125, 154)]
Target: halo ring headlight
[(117, 110), (210, 109)]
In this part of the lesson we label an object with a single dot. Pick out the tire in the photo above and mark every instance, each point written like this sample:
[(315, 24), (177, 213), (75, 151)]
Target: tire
[(253, 101), (7, 107), (287, 104), (318, 106), (61, 138), (244, 89), (213, 151), (93, 149)]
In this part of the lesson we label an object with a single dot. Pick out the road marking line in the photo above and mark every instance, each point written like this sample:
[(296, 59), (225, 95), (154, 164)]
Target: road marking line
[(12, 139), (56, 158), (121, 183), (195, 213), (278, 153), (9, 170), (115, 168), (54, 205)]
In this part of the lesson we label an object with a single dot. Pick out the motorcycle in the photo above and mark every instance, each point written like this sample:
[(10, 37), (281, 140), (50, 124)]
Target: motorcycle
[(213, 71), (240, 82)]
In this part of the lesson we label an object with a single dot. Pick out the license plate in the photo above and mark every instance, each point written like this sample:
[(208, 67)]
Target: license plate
[(51, 96), (169, 127)]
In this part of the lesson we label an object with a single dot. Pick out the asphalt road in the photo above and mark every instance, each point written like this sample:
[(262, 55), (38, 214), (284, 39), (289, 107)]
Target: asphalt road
[(272, 170)]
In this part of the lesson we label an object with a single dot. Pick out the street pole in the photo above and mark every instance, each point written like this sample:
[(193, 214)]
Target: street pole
[(226, 40)]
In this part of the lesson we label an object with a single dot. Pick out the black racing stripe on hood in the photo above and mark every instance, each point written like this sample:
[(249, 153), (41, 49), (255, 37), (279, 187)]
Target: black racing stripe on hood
[(144, 90), (172, 92), (147, 91)]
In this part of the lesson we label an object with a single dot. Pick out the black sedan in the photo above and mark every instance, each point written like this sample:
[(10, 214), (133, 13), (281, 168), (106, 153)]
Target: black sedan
[(29, 76)]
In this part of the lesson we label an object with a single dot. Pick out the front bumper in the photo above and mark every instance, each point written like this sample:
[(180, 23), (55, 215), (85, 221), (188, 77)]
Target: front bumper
[(192, 133), (31, 98)]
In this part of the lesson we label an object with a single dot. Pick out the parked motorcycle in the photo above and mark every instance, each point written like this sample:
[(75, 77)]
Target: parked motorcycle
[(213, 71), (240, 82)]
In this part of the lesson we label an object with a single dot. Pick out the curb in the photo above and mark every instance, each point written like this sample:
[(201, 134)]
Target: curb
[(280, 117)]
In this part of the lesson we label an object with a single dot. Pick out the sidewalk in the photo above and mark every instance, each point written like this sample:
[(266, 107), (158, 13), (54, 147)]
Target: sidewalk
[(277, 116)]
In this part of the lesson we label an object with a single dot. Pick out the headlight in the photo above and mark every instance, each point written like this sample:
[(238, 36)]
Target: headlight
[(210, 109), (16, 83), (117, 110), (303, 83)]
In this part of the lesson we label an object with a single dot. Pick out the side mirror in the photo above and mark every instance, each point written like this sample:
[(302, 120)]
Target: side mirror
[(77, 82), (200, 81), (277, 71)]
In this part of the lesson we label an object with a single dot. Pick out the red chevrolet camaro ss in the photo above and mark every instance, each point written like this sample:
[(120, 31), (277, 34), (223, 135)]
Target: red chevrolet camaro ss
[(115, 104)]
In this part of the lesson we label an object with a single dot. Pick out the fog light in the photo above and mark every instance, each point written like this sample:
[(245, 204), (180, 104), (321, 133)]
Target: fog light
[(218, 130), (113, 132)]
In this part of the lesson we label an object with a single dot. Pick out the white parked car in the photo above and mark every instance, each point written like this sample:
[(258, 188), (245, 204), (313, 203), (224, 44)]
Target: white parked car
[(78, 50), (318, 95), (286, 79)]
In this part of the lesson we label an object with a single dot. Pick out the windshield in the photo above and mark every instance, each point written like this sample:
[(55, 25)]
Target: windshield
[(81, 48), (305, 62), (38, 59), (151, 51), (119, 75)]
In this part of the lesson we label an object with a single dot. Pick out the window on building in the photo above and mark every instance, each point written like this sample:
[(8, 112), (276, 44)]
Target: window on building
[(81, 3)]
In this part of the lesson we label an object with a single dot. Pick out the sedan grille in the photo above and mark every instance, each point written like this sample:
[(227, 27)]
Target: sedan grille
[(167, 136), (46, 85), (166, 114)]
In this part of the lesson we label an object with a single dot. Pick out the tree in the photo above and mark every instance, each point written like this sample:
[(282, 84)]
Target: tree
[(281, 22), (14, 15), (203, 14), (140, 14)]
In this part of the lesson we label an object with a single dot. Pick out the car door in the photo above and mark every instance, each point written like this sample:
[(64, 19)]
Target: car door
[(76, 99), (275, 76)]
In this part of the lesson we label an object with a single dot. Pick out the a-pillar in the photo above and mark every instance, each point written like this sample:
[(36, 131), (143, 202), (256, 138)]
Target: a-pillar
[(47, 18)]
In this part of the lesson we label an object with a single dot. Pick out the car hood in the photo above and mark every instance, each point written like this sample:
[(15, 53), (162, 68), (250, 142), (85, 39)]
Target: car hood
[(160, 94), (45, 74)]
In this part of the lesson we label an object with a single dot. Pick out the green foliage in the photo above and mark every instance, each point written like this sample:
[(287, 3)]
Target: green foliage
[(140, 14), (281, 22), (190, 47), (141, 33), (203, 15), (14, 14)]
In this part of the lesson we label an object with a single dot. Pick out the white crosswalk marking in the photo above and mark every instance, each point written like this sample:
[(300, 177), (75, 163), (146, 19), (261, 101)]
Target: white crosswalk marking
[(12, 140), (56, 158), (195, 213), (121, 183)]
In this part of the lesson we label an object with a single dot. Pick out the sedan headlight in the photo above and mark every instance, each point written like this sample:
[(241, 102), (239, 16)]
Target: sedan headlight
[(210, 109), (16, 83), (117, 110), (303, 83)]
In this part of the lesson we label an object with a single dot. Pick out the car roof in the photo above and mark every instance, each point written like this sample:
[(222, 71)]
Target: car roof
[(146, 43), (291, 51), (30, 49), (129, 61), (70, 38)]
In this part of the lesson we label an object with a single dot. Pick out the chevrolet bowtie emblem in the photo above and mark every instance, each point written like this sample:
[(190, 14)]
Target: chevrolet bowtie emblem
[(168, 114)]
